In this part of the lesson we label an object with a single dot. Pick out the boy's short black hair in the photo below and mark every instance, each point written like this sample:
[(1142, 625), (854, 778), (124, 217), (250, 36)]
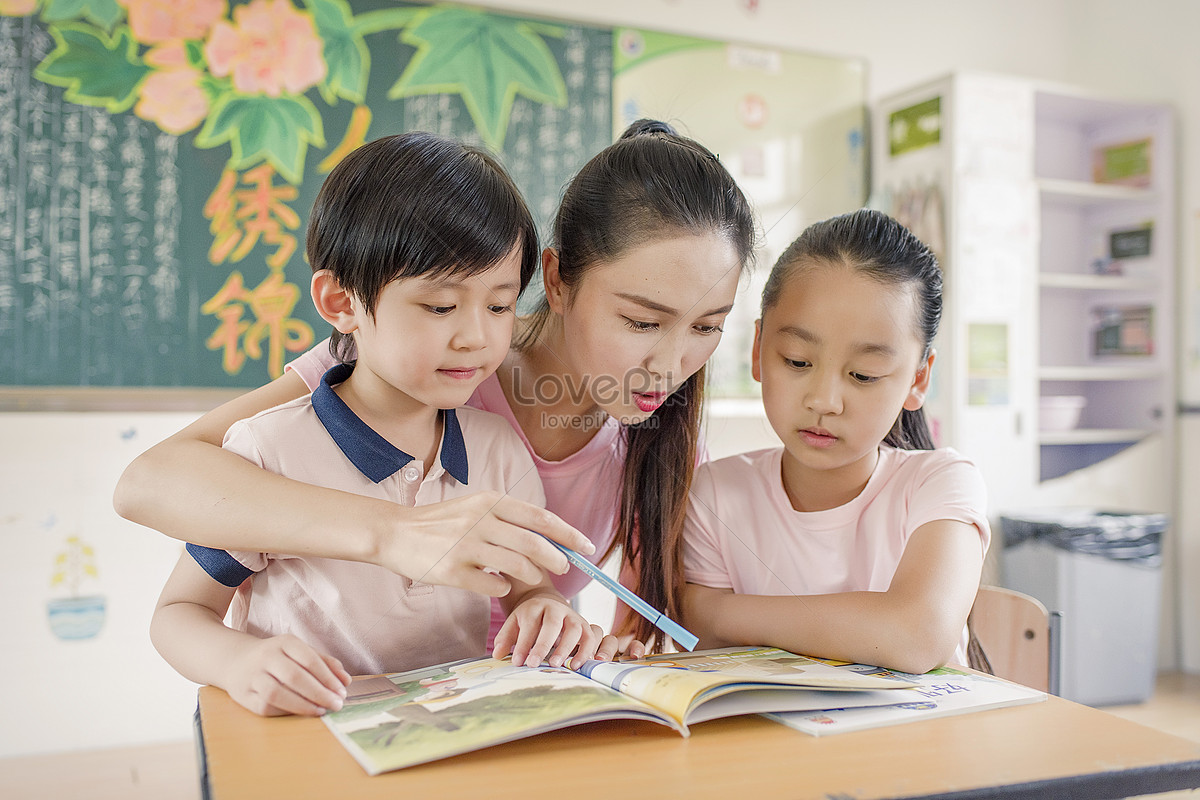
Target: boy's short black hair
[(416, 204)]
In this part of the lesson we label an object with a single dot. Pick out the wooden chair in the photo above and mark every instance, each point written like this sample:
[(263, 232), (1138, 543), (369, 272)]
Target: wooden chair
[(1014, 637)]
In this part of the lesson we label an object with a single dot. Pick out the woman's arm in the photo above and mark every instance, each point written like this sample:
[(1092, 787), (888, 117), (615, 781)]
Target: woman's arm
[(190, 489), (913, 627)]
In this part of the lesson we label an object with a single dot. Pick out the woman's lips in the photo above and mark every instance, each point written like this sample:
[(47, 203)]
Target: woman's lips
[(649, 401)]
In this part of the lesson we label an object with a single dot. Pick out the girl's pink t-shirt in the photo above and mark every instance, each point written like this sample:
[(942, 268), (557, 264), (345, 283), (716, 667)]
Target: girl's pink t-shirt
[(583, 489), (742, 533)]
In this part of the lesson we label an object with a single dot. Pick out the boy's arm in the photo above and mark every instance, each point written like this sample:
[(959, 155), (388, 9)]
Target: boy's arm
[(279, 675), (913, 627)]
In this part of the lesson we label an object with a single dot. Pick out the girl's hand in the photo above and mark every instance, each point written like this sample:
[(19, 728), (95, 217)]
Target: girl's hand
[(629, 648), (284, 675), (544, 627), (467, 541)]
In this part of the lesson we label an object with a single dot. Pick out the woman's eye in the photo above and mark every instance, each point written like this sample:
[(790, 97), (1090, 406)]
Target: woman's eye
[(634, 324), (708, 329), (439, 309)]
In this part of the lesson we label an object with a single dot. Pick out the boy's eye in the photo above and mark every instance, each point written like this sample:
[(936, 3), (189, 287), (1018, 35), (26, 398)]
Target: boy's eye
[(795, 363), (636, 325), (439, 309)]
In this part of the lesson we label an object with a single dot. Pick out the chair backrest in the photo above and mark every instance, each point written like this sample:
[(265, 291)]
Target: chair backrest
[(1018, 636)]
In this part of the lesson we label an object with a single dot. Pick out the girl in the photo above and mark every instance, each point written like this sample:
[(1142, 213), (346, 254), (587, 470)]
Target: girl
[(428, 321), (603, 385), (856, 540)]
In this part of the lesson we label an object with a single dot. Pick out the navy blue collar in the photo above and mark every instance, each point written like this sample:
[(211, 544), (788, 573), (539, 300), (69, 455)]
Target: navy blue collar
[(375, 456)]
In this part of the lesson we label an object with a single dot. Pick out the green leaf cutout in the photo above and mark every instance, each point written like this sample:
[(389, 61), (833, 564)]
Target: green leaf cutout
[(486, 58), (94, 69), (105, 13), (347, 58), (277, 130)]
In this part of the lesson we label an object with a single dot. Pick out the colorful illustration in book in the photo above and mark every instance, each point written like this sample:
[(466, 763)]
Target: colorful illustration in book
[(76, 616)]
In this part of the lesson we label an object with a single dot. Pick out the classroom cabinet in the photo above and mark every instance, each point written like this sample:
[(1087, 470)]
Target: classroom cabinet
[(1053, 212)]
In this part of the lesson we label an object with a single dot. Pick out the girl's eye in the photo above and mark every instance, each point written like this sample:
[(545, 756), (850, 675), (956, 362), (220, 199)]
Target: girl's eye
[(708, 329), (634, 324), (499, 309), (795, 363), (858, 376), (439, 310)]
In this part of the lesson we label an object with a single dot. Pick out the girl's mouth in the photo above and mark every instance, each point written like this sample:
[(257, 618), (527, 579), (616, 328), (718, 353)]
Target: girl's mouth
[(649, 401), (818, 437)]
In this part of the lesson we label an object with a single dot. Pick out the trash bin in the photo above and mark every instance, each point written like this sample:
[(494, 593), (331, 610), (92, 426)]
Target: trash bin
[(1102, 571)]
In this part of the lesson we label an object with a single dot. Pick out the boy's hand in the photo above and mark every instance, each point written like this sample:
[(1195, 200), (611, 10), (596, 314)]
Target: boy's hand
[(544, 627), (284, 675)]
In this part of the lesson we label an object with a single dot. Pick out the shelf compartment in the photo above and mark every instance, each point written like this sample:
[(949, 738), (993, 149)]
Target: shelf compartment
[(1086, 194), (1093, 436), (1098, 283), (1115, 372)]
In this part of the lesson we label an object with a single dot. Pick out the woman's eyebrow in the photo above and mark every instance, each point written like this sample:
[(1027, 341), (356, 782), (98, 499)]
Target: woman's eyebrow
[(646, 302)]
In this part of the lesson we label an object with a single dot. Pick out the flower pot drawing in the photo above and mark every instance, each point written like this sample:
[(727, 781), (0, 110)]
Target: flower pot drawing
[(74, 618)]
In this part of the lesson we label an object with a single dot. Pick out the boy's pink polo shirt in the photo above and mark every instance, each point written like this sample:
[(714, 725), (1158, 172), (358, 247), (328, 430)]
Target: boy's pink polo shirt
[(583, 489), (371, 619), (743, 534)]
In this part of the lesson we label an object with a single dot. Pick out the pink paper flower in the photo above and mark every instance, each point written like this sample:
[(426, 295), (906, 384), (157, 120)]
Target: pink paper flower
[(270, 48), (171, 96), (154, 21)]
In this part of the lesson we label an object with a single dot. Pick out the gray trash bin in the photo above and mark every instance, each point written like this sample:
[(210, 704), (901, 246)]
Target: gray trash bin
[(1102, 572)]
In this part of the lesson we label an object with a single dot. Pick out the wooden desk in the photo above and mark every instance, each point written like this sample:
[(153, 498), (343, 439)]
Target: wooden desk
[(1054, 749)]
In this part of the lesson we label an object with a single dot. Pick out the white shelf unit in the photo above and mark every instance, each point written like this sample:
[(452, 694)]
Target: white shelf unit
[(1024, 224)]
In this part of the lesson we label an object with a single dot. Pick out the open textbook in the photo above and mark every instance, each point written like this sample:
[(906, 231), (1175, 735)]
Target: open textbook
[(413, 717), (940, 693)]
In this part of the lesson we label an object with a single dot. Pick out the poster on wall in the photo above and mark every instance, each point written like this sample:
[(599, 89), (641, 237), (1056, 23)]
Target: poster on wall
[(157, 169)]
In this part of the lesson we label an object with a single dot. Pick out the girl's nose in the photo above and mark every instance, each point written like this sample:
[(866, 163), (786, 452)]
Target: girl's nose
[(823, 396), (471, 333)]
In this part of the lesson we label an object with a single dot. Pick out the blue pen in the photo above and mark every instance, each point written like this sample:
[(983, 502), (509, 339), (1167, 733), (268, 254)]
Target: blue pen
[(679, 634)]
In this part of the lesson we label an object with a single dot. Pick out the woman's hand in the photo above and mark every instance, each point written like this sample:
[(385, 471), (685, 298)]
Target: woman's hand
[(468, 541)]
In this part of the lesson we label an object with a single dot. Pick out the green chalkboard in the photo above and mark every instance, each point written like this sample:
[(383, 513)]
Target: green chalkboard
[(152, 208)]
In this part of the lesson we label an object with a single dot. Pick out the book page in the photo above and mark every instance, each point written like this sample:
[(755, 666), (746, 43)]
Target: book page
[(408, 718), (676, 683)]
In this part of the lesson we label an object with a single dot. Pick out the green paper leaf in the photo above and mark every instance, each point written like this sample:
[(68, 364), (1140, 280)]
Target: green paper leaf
[(277, 130), (486, 58), (347, 58), (94, 69), (105, 13)]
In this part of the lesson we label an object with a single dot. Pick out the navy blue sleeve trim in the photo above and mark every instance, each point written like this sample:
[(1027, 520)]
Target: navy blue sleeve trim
[(221, 567)]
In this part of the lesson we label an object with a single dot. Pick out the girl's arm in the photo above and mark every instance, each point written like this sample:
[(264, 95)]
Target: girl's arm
[(913, 627), (278, 675), (190, 489)]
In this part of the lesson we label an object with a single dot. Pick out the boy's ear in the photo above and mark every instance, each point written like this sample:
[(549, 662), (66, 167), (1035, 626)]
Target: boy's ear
[(334, 304), (755, 357), (556, 292), (920, 387)]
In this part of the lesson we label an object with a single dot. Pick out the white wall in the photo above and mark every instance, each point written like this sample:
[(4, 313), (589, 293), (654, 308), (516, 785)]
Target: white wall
[(69, 462)]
